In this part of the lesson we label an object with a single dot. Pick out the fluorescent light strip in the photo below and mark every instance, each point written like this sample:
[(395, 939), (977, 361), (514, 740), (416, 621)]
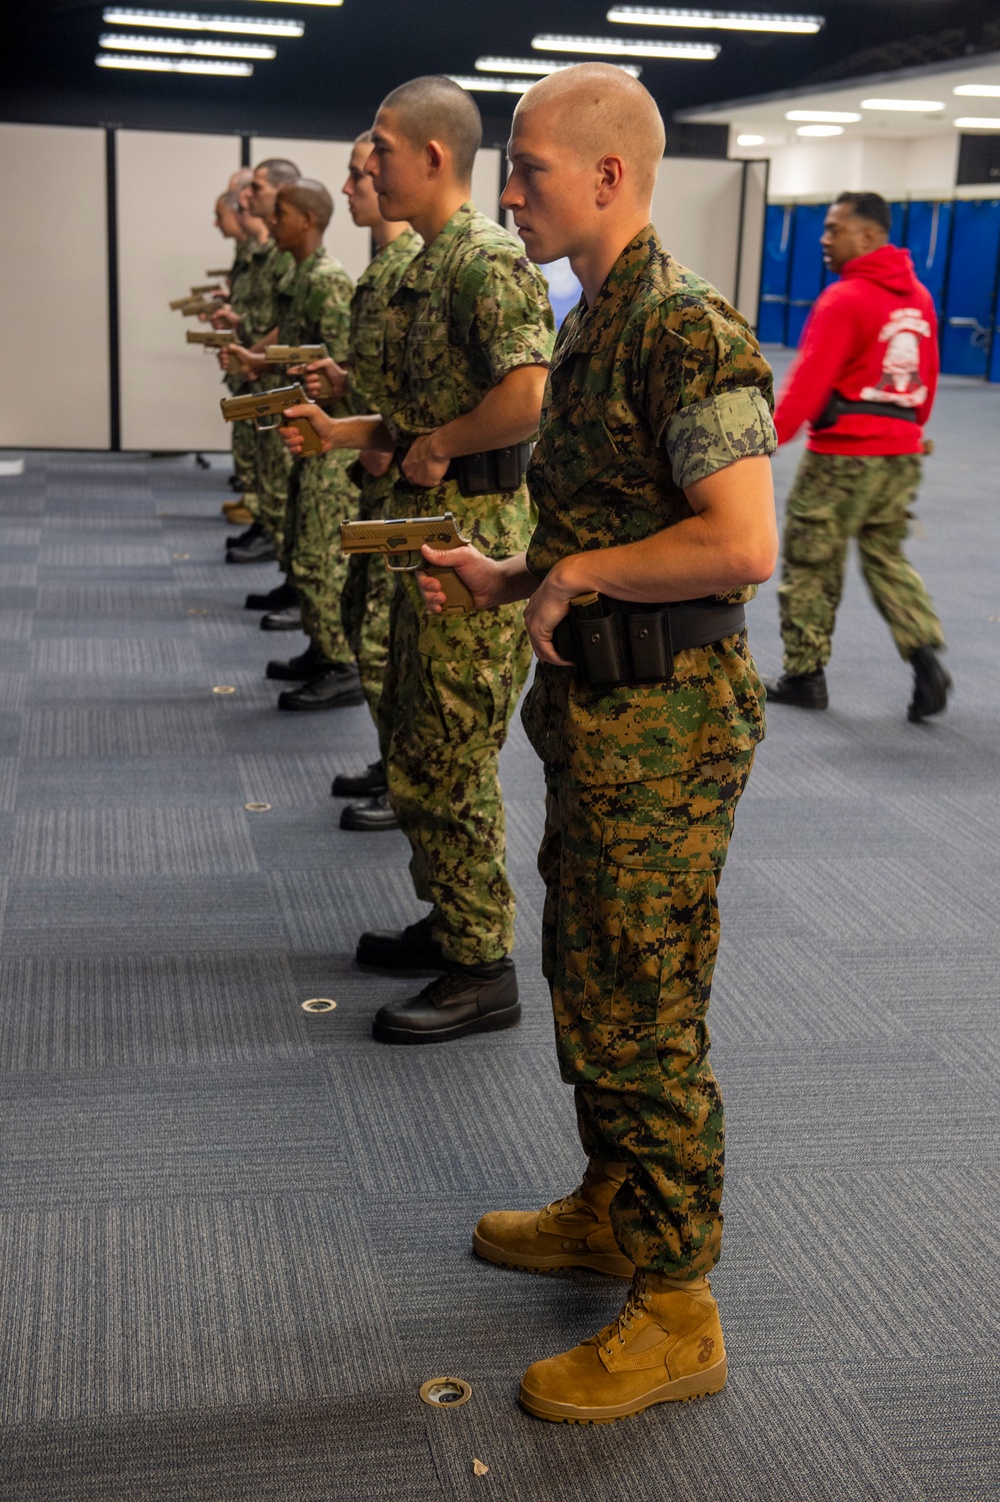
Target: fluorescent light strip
[(168, 20), (614, 47), (827, 117), (979, 90), (907, 106), (260, 51), (977, 122), (716, 20), (749, 140), (172, 65), (484, 85), (539, 65), (820, 130)]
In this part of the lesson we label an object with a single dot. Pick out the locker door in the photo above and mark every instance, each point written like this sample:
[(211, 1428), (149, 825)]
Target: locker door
[(807, 270), (927, 235), (994, 371), (897, 230), (969, 300), (774, 274)]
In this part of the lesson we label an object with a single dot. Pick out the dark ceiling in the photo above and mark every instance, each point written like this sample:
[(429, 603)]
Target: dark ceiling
[(330, 81)]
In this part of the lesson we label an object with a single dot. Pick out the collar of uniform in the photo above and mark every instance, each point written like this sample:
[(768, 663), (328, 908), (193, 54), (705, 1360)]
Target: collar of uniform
[(426, 265), (596, 325)]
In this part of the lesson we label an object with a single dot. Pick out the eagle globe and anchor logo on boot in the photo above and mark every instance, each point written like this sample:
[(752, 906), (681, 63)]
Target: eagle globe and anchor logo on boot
[(705, 1348)]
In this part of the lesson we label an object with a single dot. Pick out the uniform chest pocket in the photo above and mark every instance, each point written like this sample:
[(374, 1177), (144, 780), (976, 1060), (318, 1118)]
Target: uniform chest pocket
[(369, 337), (426, 351), (577, 455)]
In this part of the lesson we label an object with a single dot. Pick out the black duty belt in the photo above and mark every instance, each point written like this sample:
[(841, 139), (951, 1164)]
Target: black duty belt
[(839, 406), (488, 473), (613, 643)]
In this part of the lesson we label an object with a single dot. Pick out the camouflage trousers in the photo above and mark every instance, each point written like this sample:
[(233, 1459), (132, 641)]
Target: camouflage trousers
[(368, 587), (320, 497), (274, 470), (836, 497), (245, 460), (630, 936), (450, 690)]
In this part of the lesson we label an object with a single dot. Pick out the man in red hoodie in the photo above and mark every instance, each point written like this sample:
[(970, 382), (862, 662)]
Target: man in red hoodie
[(864, 380)]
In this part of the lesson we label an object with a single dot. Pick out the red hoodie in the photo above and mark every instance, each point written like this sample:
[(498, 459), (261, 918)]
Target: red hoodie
[(871, 336)]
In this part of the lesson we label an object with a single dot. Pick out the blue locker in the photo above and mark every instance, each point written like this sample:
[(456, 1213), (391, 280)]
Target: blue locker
[(807, 272), (897, 230), (774, 274), (994, 370), (971, 290), (927, 236)]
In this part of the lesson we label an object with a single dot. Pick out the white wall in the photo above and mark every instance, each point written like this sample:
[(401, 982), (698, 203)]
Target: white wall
[(696, 211), (486, 182), (897, 167), (752, 244), (167, 186), (53, 288)]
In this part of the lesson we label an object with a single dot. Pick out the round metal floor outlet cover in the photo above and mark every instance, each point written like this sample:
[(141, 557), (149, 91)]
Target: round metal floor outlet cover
[(446, 1392), (223, 688), (319, 1004), (257, 808)]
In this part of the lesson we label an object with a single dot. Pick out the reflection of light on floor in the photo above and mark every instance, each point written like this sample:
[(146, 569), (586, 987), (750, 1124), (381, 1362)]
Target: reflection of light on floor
[(564, 289)]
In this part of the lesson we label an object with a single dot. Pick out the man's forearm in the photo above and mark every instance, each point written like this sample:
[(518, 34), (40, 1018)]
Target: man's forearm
[(514, 580), (364, 432)]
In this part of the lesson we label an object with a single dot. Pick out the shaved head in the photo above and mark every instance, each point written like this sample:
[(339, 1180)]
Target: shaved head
[(309, 197), (239, 179), (435, 109), (603, 111), (277, 170)]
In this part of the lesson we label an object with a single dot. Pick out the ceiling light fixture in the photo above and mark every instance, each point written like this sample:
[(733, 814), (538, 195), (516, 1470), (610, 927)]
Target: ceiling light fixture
[(614, 47), (720, 20), (484, 85), (173, 65), (977, 122), (539, 65), (820, 130), (979, 90), (195, 47), (907, 106), (824, 117), (167, 20), (749, 140)]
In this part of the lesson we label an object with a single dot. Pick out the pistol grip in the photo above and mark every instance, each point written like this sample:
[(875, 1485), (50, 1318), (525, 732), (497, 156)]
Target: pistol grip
[(458, 598), (311, 441)]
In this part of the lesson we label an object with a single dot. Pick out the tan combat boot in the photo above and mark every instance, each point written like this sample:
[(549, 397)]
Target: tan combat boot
[(571, 1232), (240, 516), (666, 1345)]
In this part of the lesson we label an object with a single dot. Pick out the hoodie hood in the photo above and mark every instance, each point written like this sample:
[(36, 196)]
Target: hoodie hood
[(890, 267)]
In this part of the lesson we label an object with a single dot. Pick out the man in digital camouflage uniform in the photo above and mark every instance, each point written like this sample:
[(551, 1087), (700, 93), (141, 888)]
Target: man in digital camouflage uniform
[(469, 334), (369, 584), (234, 224), (314, 300), (257, 326), (653, 489)]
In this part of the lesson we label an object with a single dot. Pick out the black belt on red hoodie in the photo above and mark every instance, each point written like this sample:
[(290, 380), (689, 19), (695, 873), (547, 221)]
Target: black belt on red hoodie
[(839, 406)]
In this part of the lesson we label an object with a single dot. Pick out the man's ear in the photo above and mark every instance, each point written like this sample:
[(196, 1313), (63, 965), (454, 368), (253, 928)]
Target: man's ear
[(611, 174), (437, 156)]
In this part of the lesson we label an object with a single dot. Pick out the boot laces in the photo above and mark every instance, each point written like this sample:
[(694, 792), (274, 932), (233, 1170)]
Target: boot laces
[(635, 1306)]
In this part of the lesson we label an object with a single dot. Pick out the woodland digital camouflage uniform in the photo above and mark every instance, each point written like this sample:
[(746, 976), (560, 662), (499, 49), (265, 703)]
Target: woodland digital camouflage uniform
[(258, 316), (835, 497), (316, 309), (469, 309), (364, 604), (656, 386), (244, 434)]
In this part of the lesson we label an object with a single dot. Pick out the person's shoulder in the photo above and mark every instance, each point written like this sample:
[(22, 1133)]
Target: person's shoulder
[(326, 268), (485, 247), (673, 304)]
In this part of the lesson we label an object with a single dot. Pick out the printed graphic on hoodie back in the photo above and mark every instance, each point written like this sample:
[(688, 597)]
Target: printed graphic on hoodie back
[(900, 383)]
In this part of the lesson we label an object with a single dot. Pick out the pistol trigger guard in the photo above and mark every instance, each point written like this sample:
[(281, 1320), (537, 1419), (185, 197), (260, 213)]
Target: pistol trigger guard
[(268, 427), (402, 568)]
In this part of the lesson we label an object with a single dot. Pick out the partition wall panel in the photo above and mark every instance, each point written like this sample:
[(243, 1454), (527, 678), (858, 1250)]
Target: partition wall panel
[(696, 211), (752, 240), (327, 162), (53, 288), (168, 182)]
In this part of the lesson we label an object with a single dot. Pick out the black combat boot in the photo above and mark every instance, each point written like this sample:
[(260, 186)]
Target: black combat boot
[(931, 682), (312, 663), (334, 689), (371, 782), (289, 619), (410, 948), (256, 547), (806, 690), (374, 814), (465, 999), (278, 598)]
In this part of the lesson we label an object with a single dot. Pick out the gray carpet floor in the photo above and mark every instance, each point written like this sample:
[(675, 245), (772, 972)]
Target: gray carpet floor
[(234, 1237)]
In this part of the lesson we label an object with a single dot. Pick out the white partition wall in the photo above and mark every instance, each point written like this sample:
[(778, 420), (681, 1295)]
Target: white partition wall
[(327, 161), (696, 210), (486, 182), (167, 186), (752, 239), (53, 288)]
